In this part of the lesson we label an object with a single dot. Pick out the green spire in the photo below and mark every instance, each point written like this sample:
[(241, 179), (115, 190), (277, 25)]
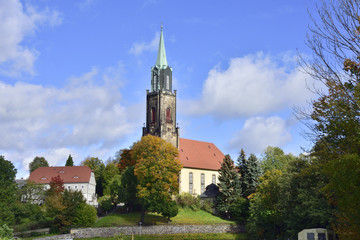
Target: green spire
[(161, 61)]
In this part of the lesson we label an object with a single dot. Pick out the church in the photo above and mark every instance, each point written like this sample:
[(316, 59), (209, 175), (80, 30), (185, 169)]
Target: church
[(201, 160)]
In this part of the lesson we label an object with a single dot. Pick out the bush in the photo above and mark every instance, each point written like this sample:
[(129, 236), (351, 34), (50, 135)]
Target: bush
[(207, 206), (239, 210), (186, 200), (105, 203), (85, 216), (6, 232)]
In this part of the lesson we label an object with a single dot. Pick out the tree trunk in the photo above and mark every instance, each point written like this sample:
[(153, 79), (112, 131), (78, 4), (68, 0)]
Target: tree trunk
[(142, 215)]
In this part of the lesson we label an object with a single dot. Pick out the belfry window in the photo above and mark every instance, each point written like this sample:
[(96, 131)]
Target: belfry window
[(153, 115), (168, 115), (167, 82), (155, 83)]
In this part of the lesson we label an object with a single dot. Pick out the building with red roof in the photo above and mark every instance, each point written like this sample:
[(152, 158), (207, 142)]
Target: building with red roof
[(201, 160), (75, 178)]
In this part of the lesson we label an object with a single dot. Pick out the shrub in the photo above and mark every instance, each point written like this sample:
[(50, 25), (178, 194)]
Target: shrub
[(186, 200), (85, 216), (239, 209), (207, 206), (105, 203), (6, 232)]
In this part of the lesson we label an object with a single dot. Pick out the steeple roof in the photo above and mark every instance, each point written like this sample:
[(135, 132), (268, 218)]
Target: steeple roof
[(161, 61)]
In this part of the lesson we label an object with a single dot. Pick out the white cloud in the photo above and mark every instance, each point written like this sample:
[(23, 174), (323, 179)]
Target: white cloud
[(252, 85), (259, 132), (87, 113), (17, 22), (139, 48)]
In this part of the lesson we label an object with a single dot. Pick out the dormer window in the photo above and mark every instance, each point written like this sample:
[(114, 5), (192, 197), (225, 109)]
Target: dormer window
[(43, 178), (75, 177), (61, 171)]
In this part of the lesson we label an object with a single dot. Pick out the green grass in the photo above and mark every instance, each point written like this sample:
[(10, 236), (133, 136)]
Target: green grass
[(182, 236), (185, 216)]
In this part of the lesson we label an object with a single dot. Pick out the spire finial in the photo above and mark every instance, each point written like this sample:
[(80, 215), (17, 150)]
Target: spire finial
[(161, 61)]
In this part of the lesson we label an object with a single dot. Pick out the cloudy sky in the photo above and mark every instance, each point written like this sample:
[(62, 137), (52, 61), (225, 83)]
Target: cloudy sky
[(73, 74)]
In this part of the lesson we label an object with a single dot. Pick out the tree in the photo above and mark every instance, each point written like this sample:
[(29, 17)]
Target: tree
[(38, 162), (229, 186), (7, 191), (127, 190), (249, 170), (69, 161), (333, 119), (275, 158), (110, 172), (157, 170), (97, 166)]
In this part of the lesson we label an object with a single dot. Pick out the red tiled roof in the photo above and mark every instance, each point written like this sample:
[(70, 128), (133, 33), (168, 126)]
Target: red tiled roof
[(197, 154), (73, 174)]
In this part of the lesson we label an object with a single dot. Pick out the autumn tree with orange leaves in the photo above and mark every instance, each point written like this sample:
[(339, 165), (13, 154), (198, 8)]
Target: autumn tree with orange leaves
[(157, 170)]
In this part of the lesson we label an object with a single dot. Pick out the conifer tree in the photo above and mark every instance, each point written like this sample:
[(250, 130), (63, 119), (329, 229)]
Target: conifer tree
[(229, 186), (249, 170), (69, 161)]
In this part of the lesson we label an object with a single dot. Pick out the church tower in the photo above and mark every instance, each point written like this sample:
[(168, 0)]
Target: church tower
[(161, 100)]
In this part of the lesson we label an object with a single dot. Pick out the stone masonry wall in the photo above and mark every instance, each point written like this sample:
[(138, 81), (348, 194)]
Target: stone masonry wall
[(159, 229)]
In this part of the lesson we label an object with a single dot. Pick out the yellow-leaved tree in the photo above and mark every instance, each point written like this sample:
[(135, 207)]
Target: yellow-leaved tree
[(157, 170)]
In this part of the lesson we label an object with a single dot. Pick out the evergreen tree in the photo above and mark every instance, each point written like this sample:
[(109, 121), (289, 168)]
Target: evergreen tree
[(249, 170), (229, 186), (69, 161)]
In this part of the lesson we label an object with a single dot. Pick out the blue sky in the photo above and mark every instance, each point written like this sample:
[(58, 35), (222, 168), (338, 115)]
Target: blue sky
[(73, 74)]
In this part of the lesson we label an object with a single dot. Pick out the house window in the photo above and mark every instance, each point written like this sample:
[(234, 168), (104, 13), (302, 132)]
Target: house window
[(202, 183), (82, 186), (43, 178), (168, 115), (213, 179), (69, 187), (191, 183), (75, 186), (75, 177), (153, 115), (61, 171)]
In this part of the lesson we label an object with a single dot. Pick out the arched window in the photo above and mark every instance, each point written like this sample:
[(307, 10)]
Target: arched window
[(155, 83), (153, 115), (167, 82), (191, 183), (214, 179), (202, 183), (168, 115)]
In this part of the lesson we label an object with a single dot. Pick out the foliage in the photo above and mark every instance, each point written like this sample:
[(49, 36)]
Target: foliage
[(6, 232), (157, 169), (333, 119), (229, 186), (97, 166), (127, 190), (343, 190), (38, 162), (275, 158), (287, 202), (7, 190), (27, 212), (110, 172), (186, 200), (56, 185), (69, 161), (31, 192), (125, 159), (169, 209), (239, 209), (84, 216), (249, 170), (105, 203)]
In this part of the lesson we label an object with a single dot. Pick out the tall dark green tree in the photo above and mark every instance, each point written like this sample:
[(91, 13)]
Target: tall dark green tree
[(7, 191), (250, 172), (38, 162), (229, 186), (69, 161)]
